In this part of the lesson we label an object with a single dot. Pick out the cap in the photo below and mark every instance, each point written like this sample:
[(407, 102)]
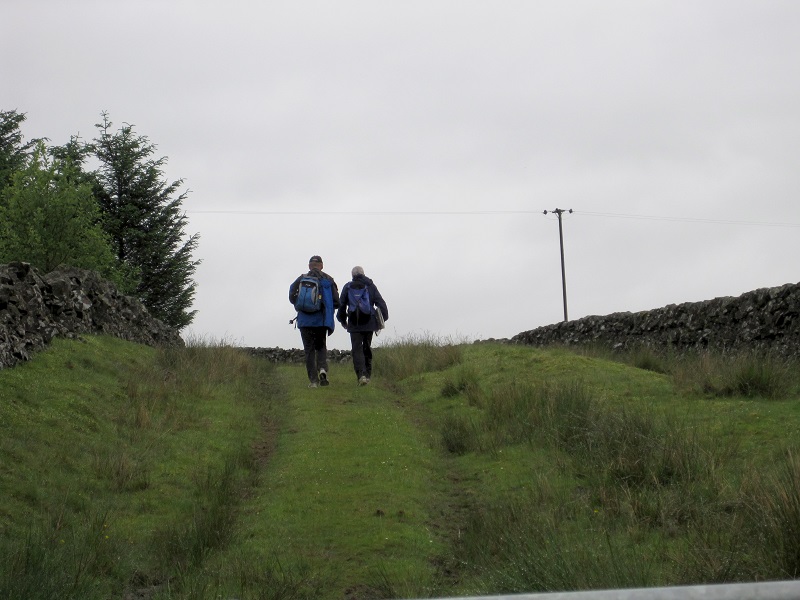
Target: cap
[(315, 258)]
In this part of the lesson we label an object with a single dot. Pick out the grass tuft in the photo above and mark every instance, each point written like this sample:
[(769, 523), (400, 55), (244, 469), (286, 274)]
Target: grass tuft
[(773, 503), (459, 434), (415, 355), (60, 560)]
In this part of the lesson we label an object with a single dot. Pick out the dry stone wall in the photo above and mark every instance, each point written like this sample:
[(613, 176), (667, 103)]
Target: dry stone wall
[(36, 308), (766, 319), (295, 355)]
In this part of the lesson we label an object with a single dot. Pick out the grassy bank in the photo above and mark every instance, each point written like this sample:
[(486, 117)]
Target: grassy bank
[(122, 466), (129, 472)]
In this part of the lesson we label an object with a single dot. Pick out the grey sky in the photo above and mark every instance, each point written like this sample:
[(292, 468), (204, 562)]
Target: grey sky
[(672, 129)]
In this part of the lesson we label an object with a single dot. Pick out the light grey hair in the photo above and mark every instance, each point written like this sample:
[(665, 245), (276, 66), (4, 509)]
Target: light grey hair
[(357, 271)]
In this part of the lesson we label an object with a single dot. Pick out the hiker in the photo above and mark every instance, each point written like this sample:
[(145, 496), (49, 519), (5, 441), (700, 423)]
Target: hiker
[(358, 313), (315, 296)]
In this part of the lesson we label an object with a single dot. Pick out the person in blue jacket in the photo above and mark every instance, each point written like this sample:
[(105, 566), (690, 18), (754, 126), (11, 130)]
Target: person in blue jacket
[(361, 329), (315, 327)]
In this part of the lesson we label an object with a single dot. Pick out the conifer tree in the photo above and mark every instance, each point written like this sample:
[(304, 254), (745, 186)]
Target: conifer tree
[(13, 152), (50, 220), (143, 218)]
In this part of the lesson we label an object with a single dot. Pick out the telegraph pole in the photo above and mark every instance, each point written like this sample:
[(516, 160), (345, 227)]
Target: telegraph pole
[(559, 212)]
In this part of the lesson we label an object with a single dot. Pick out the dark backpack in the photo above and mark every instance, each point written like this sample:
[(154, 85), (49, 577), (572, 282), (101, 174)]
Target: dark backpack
[(309, 295), (359, 306)]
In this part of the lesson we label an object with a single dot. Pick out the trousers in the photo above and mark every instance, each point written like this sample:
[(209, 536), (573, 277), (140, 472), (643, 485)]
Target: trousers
[(361, 343), (315, 349)]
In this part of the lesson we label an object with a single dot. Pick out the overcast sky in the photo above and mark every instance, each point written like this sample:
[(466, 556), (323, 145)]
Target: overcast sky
[(424, 139)]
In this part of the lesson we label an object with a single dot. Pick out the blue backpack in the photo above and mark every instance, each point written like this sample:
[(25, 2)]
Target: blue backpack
[(359, 306), (309, 295)]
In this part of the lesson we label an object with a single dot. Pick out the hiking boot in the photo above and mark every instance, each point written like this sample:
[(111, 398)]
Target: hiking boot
[(323, 377), (313, 384), (363, 380)]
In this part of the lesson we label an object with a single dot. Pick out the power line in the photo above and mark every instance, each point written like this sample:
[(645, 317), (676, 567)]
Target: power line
[(686, 219), (364, 212), (379, 213)]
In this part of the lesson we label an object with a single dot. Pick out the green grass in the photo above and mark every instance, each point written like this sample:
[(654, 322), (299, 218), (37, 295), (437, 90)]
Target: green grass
[(118, 460), (348, 486), (460, 470)]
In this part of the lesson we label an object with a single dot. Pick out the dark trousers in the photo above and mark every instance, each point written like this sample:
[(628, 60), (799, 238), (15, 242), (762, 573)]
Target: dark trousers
[(361, 342), (314, 339)]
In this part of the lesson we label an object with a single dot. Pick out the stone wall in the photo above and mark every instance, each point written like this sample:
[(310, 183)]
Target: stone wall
[(36, 308), (295, 355), (762, 320)]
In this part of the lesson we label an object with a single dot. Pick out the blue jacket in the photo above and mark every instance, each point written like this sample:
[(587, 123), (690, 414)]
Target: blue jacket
[(374, 296), (330, 302)]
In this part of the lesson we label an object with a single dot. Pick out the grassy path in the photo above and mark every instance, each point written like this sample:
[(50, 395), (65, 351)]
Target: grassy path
[(348, 500), (201, 473)]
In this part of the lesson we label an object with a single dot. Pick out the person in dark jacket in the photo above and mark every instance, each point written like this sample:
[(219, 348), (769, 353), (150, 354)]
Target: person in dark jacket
[(315, 327), (361, 329)]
